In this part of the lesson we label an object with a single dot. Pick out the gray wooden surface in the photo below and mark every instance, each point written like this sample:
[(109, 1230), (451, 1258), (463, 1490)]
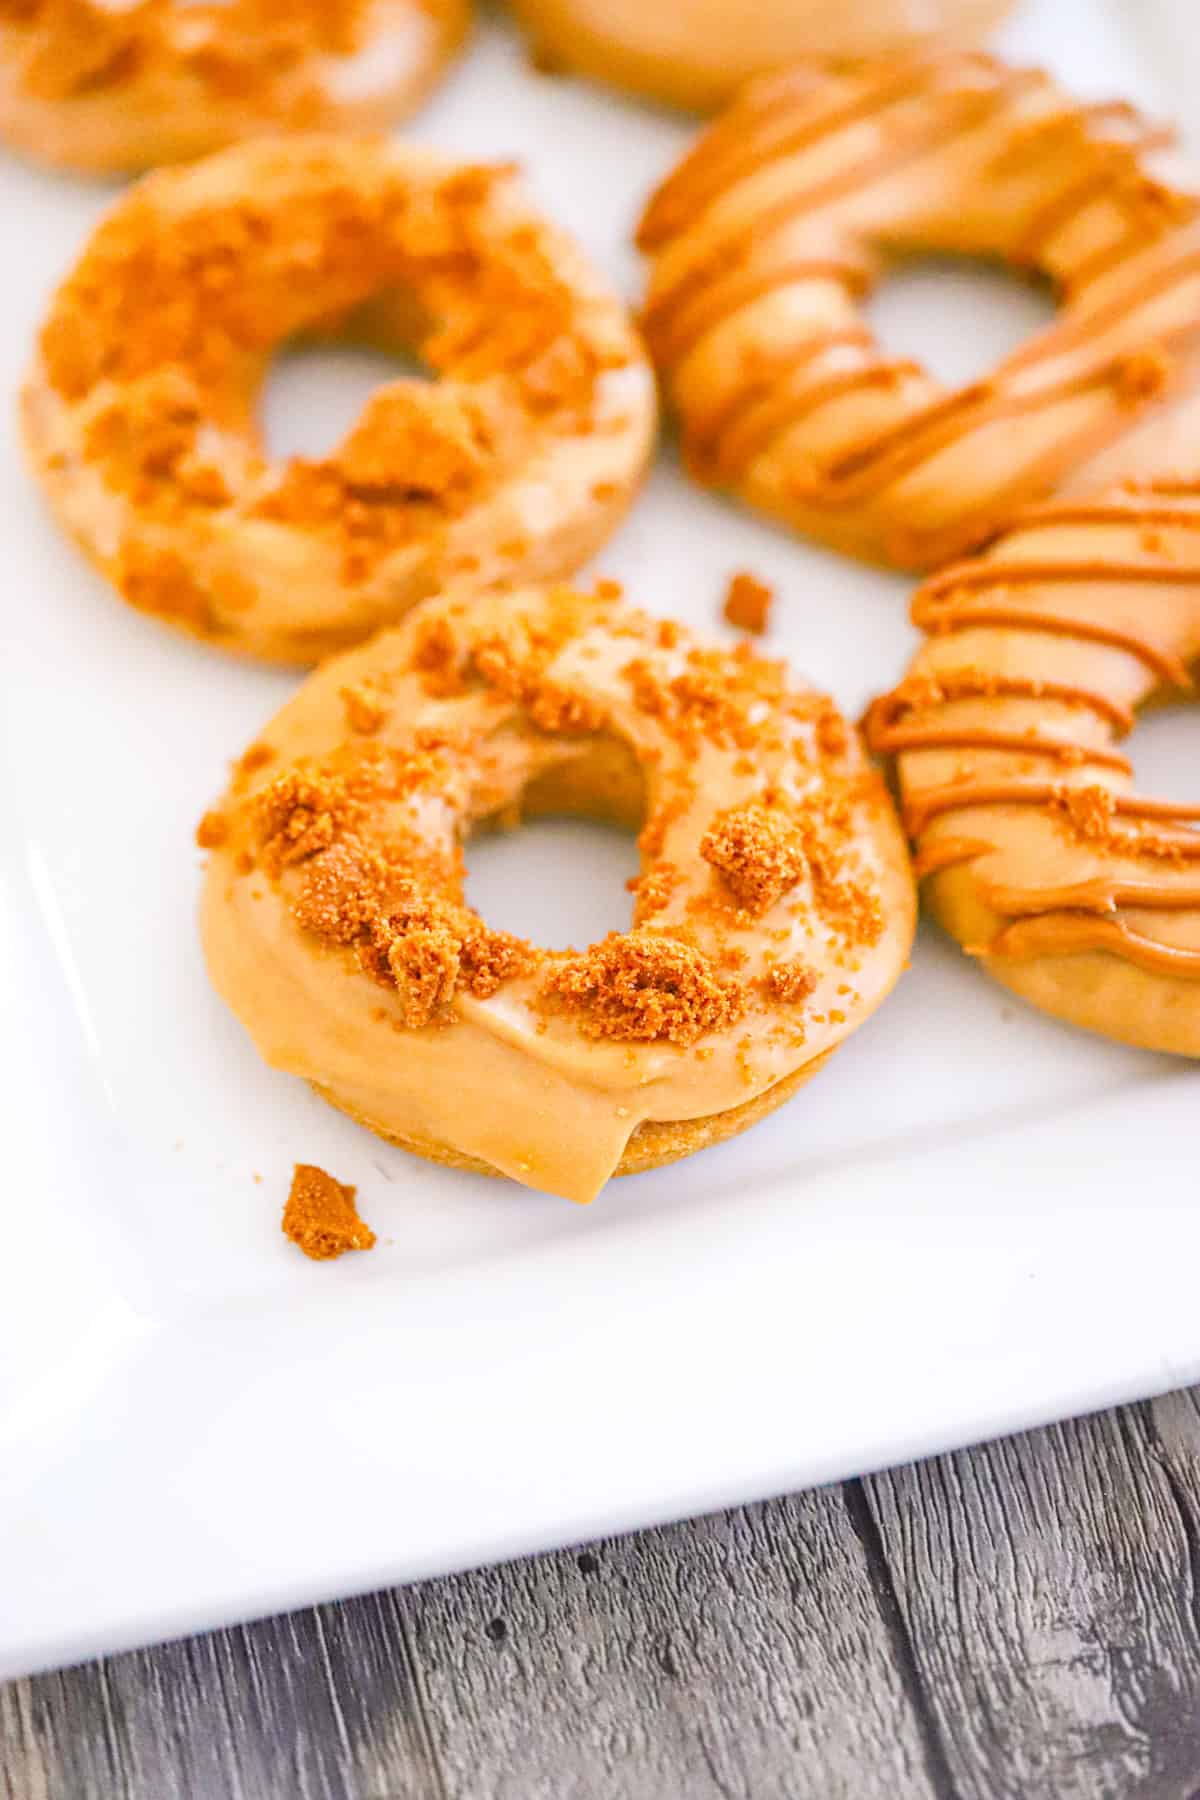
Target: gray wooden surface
[(1015, 1622)]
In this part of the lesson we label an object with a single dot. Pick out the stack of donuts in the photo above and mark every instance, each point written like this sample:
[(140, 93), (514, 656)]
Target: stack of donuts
[(463, 680)]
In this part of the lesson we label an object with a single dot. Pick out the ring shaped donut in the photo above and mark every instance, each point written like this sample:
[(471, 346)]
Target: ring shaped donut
[(773, 912), (697, 53), (769, 235), (1038, 854), (139, 413), (110, 88)]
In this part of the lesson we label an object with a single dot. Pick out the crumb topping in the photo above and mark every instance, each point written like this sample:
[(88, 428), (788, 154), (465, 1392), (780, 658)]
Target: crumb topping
[(790, 982), (320, 1216), (366, 844), (396, 904), (212, 831), (758, 853), (747, 604), (647, 989), (169, 314)]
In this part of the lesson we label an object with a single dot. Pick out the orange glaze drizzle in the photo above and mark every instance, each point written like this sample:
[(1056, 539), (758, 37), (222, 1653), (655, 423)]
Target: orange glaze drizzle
[(866, 467), (971, 111), (730, 151), (1072, 917), (673, 332), (955, 796), (948, 853), (757, 135), (1050, 219), (1103, 893), (1071, 934), (763, 375), (750, 435), (981, 737), (981, 684), (942, 617)]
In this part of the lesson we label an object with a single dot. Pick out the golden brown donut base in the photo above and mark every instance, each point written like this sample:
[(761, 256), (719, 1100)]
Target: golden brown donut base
[(654, 1144), (693, 54)]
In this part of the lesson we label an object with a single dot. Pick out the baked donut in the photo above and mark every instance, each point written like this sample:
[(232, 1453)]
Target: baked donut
[(773, 912), (139, 413), (766, 238), (107, 87), (1075, 891), (696, 53)]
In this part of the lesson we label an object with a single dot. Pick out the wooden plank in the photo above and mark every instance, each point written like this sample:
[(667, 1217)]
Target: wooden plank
[(1047, 1587), (742, 1657), (311, 1707)]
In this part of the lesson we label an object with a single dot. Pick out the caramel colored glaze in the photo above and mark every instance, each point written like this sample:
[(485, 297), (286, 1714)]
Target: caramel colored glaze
[(1102, 894), (91, 85), (1077, 892), (773, 911), (956, 795), (948, 853), (1070, 934), (982, 737), (763, 238)]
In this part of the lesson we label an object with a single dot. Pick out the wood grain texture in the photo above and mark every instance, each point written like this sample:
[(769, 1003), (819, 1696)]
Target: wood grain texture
[(742, 1657), (1047, 1585), (1015, 1622), (306, 1707)]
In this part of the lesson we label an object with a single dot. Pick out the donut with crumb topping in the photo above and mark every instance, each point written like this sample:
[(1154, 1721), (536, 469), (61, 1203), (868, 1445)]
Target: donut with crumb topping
[(772, 913), (106, 88), (140, 410)]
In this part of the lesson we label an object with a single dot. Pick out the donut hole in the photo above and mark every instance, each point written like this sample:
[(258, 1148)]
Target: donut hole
[(316, 389), (561, 877), (957, 316), (1165, 752)]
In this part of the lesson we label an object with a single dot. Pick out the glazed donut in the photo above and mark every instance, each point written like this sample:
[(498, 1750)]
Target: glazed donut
[(107, 88), (696, 53), (773, 912), (139, 413), (1075, 891), (765, 240)]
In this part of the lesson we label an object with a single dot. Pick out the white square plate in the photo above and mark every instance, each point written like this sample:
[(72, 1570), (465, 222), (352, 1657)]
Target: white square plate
[(974, 1220)]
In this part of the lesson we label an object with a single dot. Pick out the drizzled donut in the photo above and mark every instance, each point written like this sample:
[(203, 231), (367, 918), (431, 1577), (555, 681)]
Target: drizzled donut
[(140, 410), (1037, 851), (773, 912), (767, 237), (107, 87)]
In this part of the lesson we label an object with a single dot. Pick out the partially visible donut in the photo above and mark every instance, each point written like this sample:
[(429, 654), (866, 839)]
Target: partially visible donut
[(696, 53), (1037, 852), (114, 87), (773, 912), (794, 205), (140, 410)]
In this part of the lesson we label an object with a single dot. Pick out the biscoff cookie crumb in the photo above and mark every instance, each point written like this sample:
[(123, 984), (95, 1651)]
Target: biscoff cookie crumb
[(747, 604), (320, 1216)]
